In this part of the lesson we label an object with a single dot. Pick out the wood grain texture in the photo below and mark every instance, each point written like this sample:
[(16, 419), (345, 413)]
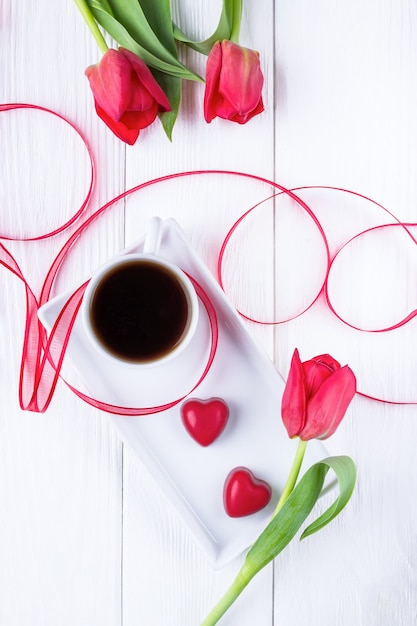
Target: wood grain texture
[(61, 478), (86, 537), (346, 117)]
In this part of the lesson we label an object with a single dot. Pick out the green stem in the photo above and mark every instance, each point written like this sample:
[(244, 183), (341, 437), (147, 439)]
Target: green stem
[(293, 475), (237, 17), (92, 24), (229, 597)]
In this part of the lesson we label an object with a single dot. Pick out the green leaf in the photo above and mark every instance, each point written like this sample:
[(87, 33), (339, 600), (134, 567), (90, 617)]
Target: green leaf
[(142, 42), (163, 28), (345, 471), (285, 524), (227, 28), (172, 87), (101, 4), (129, 13), (158, 15)]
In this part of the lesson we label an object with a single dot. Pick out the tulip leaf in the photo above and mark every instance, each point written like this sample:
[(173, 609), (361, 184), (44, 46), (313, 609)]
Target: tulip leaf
[(172, 87), (158, 15), (159, 18), (131, 15), (227, 28), (147, 46), (345, 471), (285, 524), (103, 4)]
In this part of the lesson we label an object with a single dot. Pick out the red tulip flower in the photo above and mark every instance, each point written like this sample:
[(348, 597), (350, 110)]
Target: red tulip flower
[(126, 95), (234, 83), (316, 396)]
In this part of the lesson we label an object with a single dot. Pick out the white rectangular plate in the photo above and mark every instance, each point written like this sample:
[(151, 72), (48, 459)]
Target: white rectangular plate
[(192, 476)]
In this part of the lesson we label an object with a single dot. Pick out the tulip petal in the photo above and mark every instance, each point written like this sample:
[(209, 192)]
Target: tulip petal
[(241, 78), (328, 406), (328, 360), (110, 82), (140, 120), (242, 119), (293, 404), (146, 79), (317, 370), (141, 99), (213, 67), (128, 135)]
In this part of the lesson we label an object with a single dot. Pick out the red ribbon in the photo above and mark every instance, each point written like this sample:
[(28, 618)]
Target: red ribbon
[(42, 356)]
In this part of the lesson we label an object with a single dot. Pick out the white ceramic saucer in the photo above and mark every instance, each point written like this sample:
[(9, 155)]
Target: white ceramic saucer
[(191, 476)]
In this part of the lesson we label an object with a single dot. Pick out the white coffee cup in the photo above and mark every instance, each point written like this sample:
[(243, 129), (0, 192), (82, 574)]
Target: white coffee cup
[(140, 309)]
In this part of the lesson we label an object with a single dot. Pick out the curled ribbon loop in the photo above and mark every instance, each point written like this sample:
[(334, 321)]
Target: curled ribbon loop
[(407, 318), (299, 202), (60, 229)]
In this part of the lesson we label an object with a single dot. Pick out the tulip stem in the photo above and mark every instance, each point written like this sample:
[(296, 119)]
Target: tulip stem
[(92, 24), (237, 17), (293, 475), (243, 578)]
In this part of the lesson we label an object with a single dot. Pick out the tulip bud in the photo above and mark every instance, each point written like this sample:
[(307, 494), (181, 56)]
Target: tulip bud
[(234, 83), (126, 95), (316, 396)]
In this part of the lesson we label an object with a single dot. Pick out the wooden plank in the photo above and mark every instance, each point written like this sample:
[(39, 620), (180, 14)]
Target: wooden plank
[(346, 117), (158, 552), (61, 472)]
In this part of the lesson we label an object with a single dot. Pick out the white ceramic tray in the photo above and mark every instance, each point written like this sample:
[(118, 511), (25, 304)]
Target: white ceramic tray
[(192, 476)]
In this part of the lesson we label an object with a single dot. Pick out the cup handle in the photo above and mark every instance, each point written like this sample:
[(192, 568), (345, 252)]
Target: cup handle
[(153, 236)]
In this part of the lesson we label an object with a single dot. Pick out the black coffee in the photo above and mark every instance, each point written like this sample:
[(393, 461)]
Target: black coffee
[(139, 311)]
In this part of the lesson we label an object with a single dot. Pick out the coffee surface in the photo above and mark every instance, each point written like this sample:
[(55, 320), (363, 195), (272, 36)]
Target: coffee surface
[(139, 311)]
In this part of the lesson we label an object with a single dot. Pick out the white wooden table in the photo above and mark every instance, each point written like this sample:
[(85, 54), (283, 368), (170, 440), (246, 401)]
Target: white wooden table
[(86, 538)]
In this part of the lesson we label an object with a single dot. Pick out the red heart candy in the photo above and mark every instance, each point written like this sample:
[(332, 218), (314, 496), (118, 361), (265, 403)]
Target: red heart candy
[(244, 493), (204, 419)]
